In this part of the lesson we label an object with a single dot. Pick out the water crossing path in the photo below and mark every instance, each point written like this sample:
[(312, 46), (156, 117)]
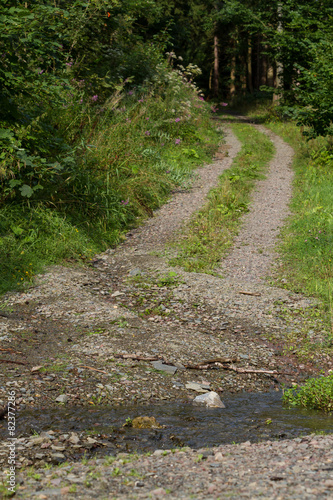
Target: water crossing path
[(95, 331)]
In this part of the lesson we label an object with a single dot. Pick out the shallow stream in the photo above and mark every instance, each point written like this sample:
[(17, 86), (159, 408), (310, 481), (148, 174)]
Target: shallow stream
[(247, 416)]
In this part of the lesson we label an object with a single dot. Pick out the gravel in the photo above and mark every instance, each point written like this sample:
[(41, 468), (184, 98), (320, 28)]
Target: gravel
[(295, 469)]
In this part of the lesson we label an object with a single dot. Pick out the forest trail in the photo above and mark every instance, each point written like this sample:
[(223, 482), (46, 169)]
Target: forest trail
[(253, 252), (132, 305)]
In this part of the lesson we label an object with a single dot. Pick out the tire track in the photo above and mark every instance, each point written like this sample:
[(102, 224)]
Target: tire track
[(253, 251)]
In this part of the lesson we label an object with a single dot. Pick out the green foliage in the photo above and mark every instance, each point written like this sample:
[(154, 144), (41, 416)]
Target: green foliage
[(314, 92), (31, 238), (316, 394), (170, 279), (53, 59), (308, 239), (127, 153)]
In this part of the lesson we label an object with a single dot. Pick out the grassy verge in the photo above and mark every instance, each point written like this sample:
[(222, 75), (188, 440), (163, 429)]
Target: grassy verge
[(211, 231), (316, 394), (126, 155), (307, 241)]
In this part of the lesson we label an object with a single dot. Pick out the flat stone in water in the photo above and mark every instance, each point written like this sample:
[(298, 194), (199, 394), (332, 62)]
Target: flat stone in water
[(210, 400)]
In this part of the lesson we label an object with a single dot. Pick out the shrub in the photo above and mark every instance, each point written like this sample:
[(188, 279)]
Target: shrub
[(316, 394), (114, 160)]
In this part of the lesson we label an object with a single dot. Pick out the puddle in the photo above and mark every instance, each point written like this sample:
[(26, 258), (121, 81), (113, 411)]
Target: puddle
[(253, 417)]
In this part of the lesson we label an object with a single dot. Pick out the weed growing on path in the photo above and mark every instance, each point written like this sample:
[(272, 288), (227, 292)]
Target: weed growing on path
[(211, 231)]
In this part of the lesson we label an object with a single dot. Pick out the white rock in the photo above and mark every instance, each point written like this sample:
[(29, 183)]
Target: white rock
[(62, 398), (158, 453), (91, 440), (74, 439), (210, 400), (36, 368)]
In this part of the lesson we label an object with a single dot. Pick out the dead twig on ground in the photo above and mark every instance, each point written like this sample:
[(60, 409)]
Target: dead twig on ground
[(204, 365), (225, 364), (11, 361), (9, 349), (252, 370), (138, 357), (94, 369)]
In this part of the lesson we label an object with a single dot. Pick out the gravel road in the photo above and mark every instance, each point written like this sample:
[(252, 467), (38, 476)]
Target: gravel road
[(125, 307)]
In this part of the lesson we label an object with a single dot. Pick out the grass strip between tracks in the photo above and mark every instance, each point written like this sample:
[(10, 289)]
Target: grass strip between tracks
[(211, 231)]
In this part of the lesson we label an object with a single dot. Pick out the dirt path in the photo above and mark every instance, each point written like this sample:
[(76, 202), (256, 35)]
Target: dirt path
[(253, 252), (88, 336), (173, 215)]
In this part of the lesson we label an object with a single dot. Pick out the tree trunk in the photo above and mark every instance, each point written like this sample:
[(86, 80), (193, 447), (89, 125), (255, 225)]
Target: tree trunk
[(216, 66), (279, 65), (258, 64), (242, 76), (270, 75), (249, 66), (263, 79), (233, 76)]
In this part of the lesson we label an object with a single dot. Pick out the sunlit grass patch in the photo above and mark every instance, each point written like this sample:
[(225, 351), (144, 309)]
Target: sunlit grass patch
[(307, 240), (31, 239), (315, 394)]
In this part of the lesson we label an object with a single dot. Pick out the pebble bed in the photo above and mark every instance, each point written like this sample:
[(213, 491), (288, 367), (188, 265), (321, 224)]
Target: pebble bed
[(295, 469)]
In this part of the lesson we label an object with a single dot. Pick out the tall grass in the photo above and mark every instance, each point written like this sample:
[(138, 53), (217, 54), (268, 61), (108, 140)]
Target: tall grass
[(119, 160), (307, 247)]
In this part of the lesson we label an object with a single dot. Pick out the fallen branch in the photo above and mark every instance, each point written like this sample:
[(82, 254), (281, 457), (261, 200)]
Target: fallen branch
[(220, 360), (94, 369), (137, 357), (199, 367), (9, 349), (256, 294), (11, 361), (225, 365), (204, 365), (251, 370)]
